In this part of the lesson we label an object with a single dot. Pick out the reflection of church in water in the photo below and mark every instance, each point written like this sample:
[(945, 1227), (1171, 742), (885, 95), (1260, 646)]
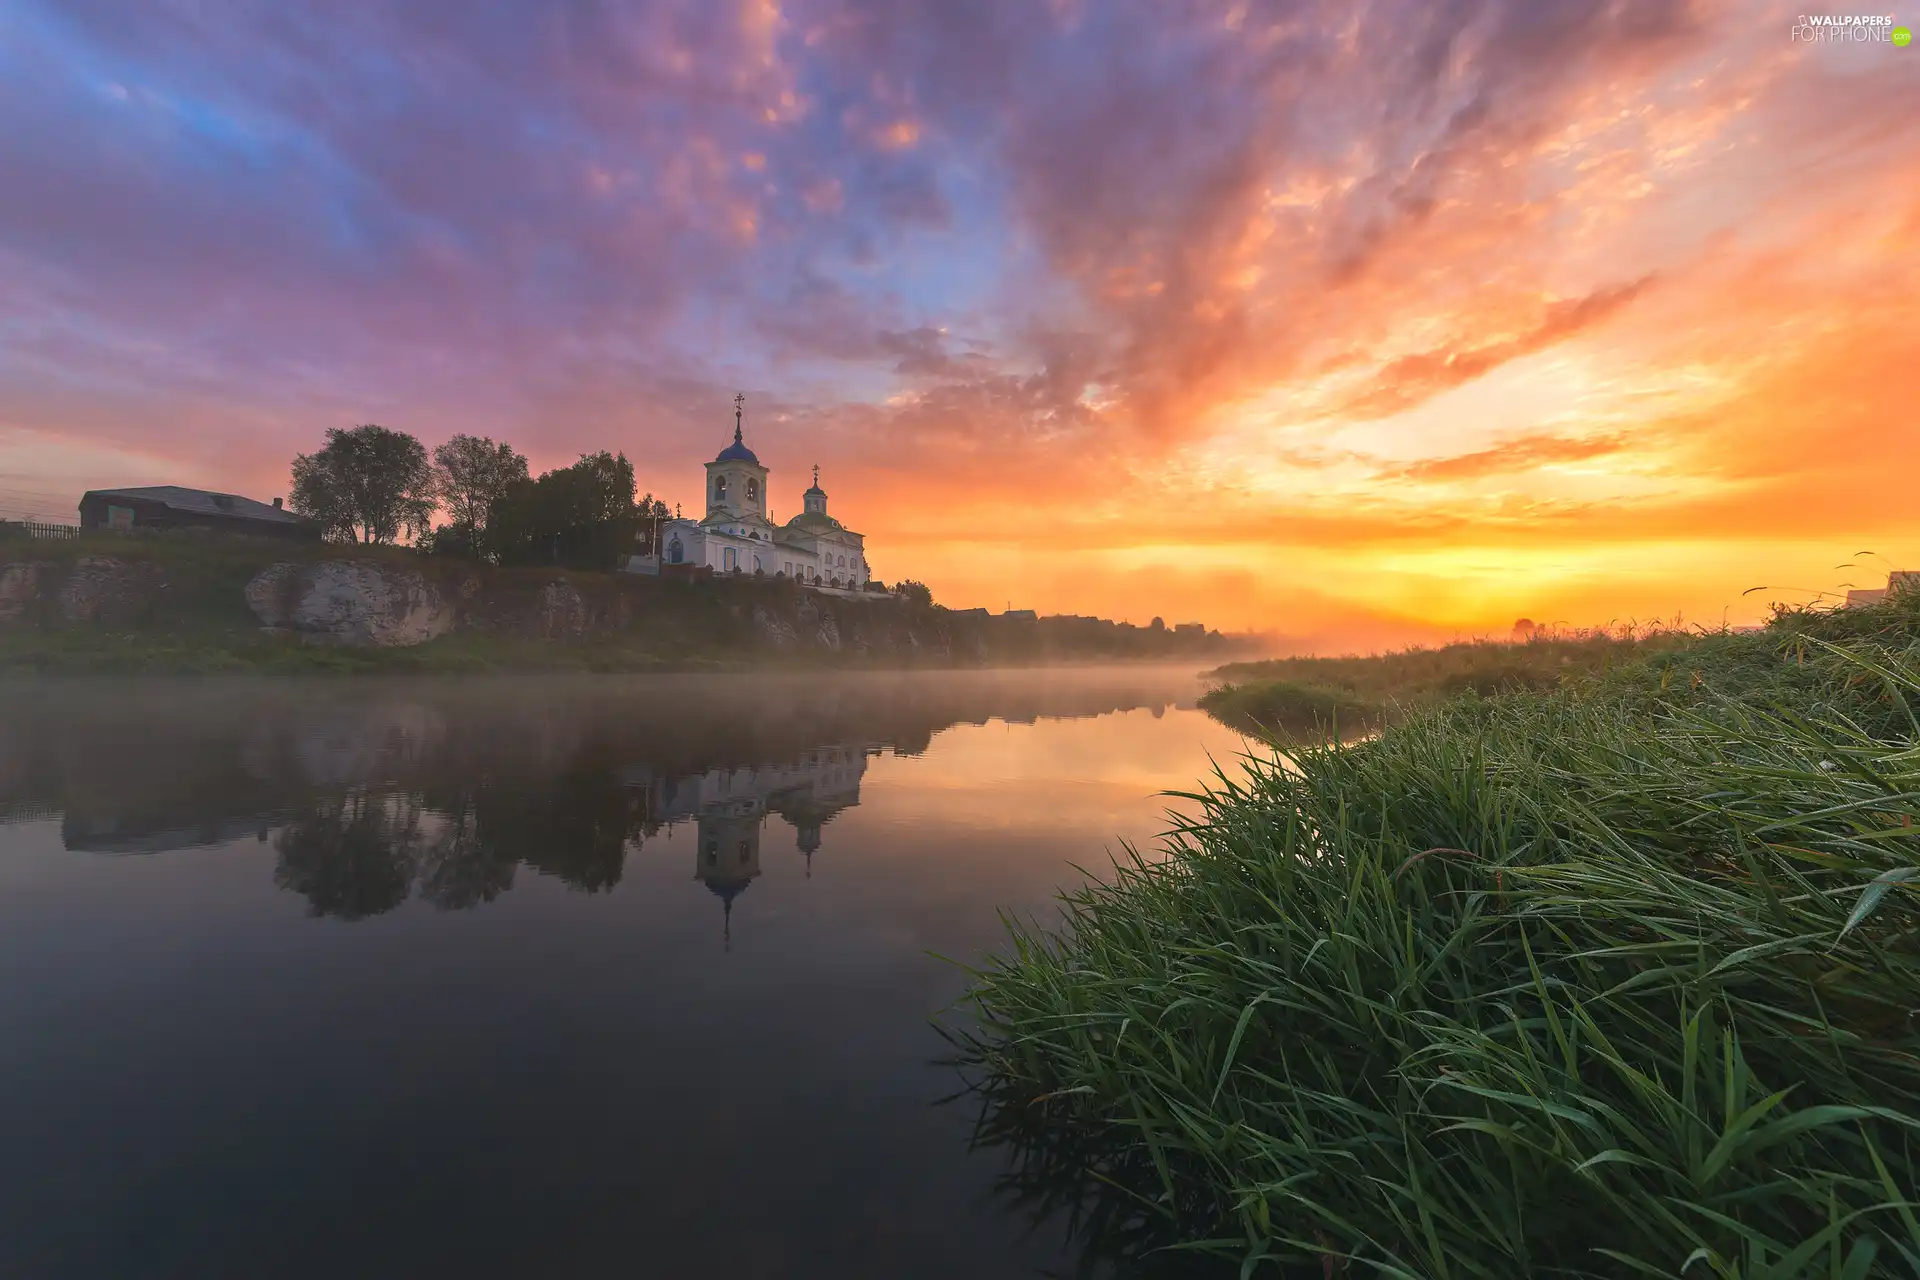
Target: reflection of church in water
[(730, 809)]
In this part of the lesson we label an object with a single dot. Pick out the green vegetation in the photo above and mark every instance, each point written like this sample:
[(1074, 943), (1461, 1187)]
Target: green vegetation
[(583, 516), (177, 604), (1617, 978), (371, 485), (471, 477), (365, 484), (200, 623), (100, 652), (1307, 697)]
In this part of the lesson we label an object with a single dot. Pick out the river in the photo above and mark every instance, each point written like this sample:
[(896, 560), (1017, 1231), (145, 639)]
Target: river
[(536, 976)]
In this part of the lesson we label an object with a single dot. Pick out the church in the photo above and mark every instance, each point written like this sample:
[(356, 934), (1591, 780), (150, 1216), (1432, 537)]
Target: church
[(737, 536)]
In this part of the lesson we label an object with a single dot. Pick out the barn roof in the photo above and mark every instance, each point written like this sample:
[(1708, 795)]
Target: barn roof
[(202, 502)]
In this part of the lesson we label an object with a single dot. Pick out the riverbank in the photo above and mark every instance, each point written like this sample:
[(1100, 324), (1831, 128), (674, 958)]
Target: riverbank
[(1293, 698), (1611, 978), (107, 604)]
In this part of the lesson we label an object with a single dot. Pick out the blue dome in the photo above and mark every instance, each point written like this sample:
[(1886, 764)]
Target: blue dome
[(737, 452), (727, 889)]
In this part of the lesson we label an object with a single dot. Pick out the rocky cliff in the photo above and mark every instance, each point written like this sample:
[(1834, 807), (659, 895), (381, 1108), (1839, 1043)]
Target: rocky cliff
[(387, 602), (219, 605)]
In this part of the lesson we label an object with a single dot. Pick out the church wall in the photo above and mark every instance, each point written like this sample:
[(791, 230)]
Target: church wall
[(708, 547)]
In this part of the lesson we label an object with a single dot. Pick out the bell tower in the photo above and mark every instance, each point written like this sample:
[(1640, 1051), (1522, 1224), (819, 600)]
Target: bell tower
[(728, 859), (736, 482)]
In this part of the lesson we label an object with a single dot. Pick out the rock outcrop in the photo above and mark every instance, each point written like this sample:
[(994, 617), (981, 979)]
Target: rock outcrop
[(107, 589), (19, 588), (827, 633), (390, 600), (352, 602), (820, 628), (774, 630), (563, 611)]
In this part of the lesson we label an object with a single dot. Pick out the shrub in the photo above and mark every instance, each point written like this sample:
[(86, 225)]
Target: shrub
[(1286, 708)]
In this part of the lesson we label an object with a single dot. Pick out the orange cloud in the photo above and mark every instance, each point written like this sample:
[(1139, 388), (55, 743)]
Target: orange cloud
[(1513, 455), (1350, 324), (1410, 379)]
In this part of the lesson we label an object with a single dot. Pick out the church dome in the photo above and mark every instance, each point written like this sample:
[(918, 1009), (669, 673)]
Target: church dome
[(727, 889), (737, 452)]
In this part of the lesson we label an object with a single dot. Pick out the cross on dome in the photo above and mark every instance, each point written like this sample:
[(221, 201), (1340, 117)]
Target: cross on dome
[(738, 451)]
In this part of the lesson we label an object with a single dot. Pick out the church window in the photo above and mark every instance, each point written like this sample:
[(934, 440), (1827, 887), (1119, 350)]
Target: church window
[(730, 561), (719, 488), (675, 552), (753, 490)]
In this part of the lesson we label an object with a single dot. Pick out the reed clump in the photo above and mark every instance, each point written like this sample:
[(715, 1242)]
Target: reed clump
[(1620, 978)]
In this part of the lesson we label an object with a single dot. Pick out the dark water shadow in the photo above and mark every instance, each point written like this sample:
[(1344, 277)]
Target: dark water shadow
[(1098, 1184)]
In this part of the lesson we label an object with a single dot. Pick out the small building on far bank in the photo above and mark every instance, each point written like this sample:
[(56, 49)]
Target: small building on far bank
[(168, 506), (1899, 581)]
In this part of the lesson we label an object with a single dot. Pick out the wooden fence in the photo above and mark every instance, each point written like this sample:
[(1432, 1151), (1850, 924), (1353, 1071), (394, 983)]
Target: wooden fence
[(38, 529)]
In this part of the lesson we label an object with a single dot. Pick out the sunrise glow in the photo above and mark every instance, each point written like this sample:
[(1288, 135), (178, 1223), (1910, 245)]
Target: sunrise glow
[(1352, 324)]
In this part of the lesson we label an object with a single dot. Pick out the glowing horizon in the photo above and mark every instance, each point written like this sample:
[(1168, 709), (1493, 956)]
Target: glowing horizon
[(1353, 325)]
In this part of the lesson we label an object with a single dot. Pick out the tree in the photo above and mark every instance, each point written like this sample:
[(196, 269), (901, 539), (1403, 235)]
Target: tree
[(917, 592), (582, 516), (464, 866), (350, 856), (471, 475), (367, 484), (576, 825)]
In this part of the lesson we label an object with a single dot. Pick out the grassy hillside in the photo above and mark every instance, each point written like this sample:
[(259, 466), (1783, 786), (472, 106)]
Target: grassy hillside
[(1615, 978), (186, 611)]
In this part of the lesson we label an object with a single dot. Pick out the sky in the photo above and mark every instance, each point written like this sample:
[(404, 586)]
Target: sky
[(1354, 323)]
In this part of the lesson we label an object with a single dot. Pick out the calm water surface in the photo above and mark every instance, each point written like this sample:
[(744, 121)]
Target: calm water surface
[(538, 976)]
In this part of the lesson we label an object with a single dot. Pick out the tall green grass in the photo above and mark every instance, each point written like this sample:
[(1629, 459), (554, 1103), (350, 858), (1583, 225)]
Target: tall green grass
[(1618, 979), (1310, 696)]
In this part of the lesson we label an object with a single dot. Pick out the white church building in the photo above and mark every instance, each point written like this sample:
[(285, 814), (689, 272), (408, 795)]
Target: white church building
[(737, 536)]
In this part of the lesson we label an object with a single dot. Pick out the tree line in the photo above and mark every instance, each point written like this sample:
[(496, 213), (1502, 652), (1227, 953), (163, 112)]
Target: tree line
[(376, 486)]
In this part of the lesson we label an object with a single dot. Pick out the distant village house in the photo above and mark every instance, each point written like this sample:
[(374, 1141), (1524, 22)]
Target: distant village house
[(169, 506)]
